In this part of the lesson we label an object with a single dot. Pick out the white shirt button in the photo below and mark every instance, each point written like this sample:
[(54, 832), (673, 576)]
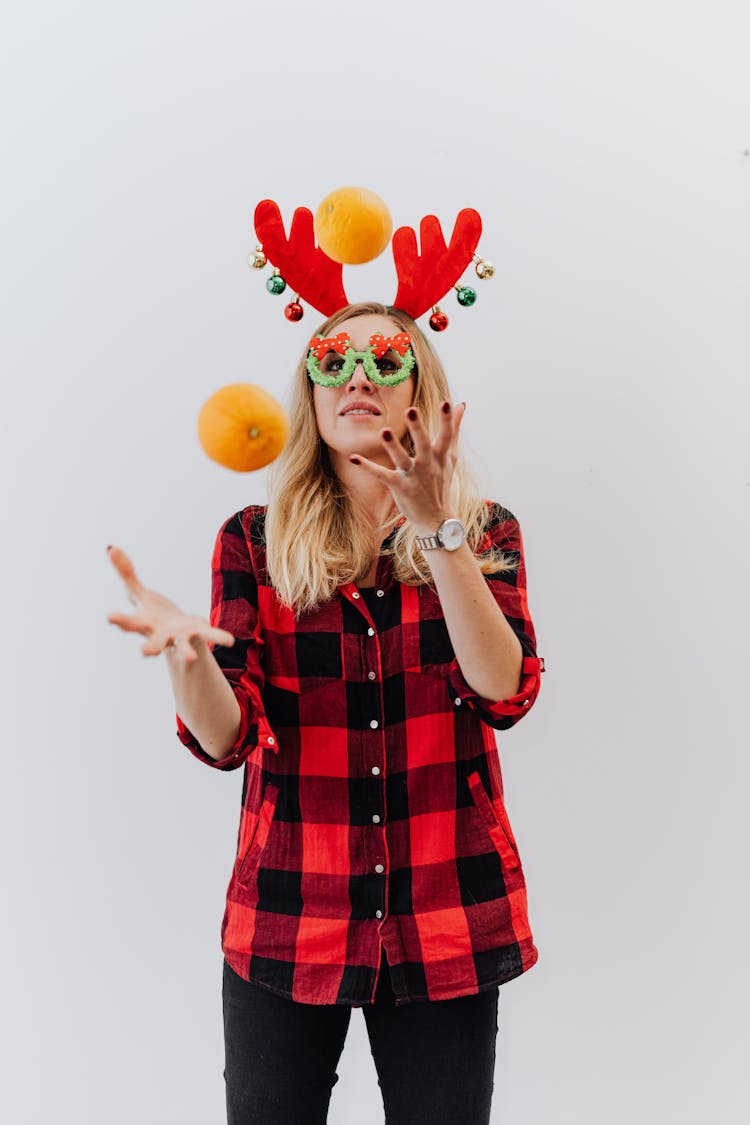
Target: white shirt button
[(379, 868), (378, 913), (380, 593), (376, 818), (355, 594), (371, 632), (371, 675), (271, 739), (376, 769), (373, 723), (457, 701)]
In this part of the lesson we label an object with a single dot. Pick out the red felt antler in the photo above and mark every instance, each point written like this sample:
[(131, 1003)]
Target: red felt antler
[(303, 265), (423, 279)]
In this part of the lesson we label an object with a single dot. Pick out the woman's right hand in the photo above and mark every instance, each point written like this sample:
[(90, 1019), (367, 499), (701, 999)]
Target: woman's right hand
[(160, 620)]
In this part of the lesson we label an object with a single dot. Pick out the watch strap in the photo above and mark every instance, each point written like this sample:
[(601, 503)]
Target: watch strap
[(427, 542)]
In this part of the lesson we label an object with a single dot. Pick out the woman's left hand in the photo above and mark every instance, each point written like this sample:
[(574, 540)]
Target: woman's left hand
[(423, 496)]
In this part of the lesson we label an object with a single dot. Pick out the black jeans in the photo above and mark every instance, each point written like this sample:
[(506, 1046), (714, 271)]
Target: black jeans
[(435, 1060)]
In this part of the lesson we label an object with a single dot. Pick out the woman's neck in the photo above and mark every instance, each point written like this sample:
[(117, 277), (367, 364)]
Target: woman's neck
[(367, 494)]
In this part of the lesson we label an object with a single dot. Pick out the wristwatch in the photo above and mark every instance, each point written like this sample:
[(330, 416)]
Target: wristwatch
[(450, 535)]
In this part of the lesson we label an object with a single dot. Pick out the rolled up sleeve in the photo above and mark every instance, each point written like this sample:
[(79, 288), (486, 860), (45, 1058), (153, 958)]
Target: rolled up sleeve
[(510, 592), (234, 607)]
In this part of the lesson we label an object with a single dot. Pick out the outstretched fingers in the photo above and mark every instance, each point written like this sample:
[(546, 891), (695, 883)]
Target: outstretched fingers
[(450, 422), (129, 622), (178, 633), (126, 570)]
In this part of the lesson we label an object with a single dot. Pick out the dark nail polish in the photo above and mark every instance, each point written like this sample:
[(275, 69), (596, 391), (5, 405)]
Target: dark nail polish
[(411, 415), (354, 460), (446, 408), (387, 435)]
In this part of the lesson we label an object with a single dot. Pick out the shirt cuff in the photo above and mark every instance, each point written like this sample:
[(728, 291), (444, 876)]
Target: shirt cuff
[(502, 713), (251, 735)]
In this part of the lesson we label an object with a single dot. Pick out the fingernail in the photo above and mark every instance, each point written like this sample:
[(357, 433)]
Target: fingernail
[(354, 460), (446, 408), (109, 548), (387, 435), (464, 405), (411, 415)]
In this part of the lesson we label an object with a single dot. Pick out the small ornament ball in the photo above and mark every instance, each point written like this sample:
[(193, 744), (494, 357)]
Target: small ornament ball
[(466, 296), (294, 311), (276, 284)]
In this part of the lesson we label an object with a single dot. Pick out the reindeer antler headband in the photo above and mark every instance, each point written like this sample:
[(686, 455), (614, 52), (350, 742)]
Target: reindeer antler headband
[(425, 275)]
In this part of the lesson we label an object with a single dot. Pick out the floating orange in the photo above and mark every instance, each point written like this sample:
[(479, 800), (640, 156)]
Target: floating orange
[(352, 225), (242, 427)]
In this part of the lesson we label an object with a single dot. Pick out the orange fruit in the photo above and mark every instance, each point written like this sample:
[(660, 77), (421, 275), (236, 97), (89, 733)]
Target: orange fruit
[(352, 225), (242, 427)]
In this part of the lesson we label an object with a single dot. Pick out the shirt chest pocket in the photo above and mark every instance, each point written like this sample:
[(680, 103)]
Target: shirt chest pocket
[(426, 642), (301, 661)]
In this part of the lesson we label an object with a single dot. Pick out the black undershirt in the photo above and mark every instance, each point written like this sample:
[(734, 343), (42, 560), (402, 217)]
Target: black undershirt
[(374, 603)]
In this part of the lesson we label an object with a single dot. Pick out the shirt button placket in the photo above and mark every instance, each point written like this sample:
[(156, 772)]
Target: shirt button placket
[(375, 770)]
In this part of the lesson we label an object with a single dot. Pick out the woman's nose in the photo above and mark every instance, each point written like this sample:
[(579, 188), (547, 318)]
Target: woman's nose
[(359, 375)]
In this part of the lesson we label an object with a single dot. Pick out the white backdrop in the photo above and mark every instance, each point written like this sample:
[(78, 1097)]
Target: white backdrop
[(605, 369)]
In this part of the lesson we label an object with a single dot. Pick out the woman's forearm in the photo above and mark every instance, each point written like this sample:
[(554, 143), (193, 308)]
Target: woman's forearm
[(204, 700), (488, 651)]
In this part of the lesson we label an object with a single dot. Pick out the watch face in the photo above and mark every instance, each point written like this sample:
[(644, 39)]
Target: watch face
[(452, 534)]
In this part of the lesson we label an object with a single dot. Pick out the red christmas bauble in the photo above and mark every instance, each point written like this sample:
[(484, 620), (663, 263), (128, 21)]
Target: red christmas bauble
[(294, 311), (438, 322)]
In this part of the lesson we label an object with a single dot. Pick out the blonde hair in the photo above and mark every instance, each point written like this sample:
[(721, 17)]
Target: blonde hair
[(316, 538)]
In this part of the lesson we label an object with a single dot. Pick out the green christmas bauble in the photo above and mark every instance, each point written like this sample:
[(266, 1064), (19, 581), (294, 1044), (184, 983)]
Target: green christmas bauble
[(276, 284)]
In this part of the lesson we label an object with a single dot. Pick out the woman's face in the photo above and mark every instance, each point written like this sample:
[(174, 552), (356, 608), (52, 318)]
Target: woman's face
[(362, 433)]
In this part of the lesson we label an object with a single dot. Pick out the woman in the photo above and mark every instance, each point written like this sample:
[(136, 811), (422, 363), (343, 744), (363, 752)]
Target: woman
[(358, 672)]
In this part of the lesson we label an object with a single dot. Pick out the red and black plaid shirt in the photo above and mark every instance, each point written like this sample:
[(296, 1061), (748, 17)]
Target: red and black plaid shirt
[(372, 802)]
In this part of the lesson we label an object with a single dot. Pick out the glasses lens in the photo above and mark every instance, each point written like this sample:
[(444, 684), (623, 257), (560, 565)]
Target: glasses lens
[(331, 363), (389, 363)]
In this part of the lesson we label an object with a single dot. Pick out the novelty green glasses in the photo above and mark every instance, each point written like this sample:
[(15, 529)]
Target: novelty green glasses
[(388, 360)]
